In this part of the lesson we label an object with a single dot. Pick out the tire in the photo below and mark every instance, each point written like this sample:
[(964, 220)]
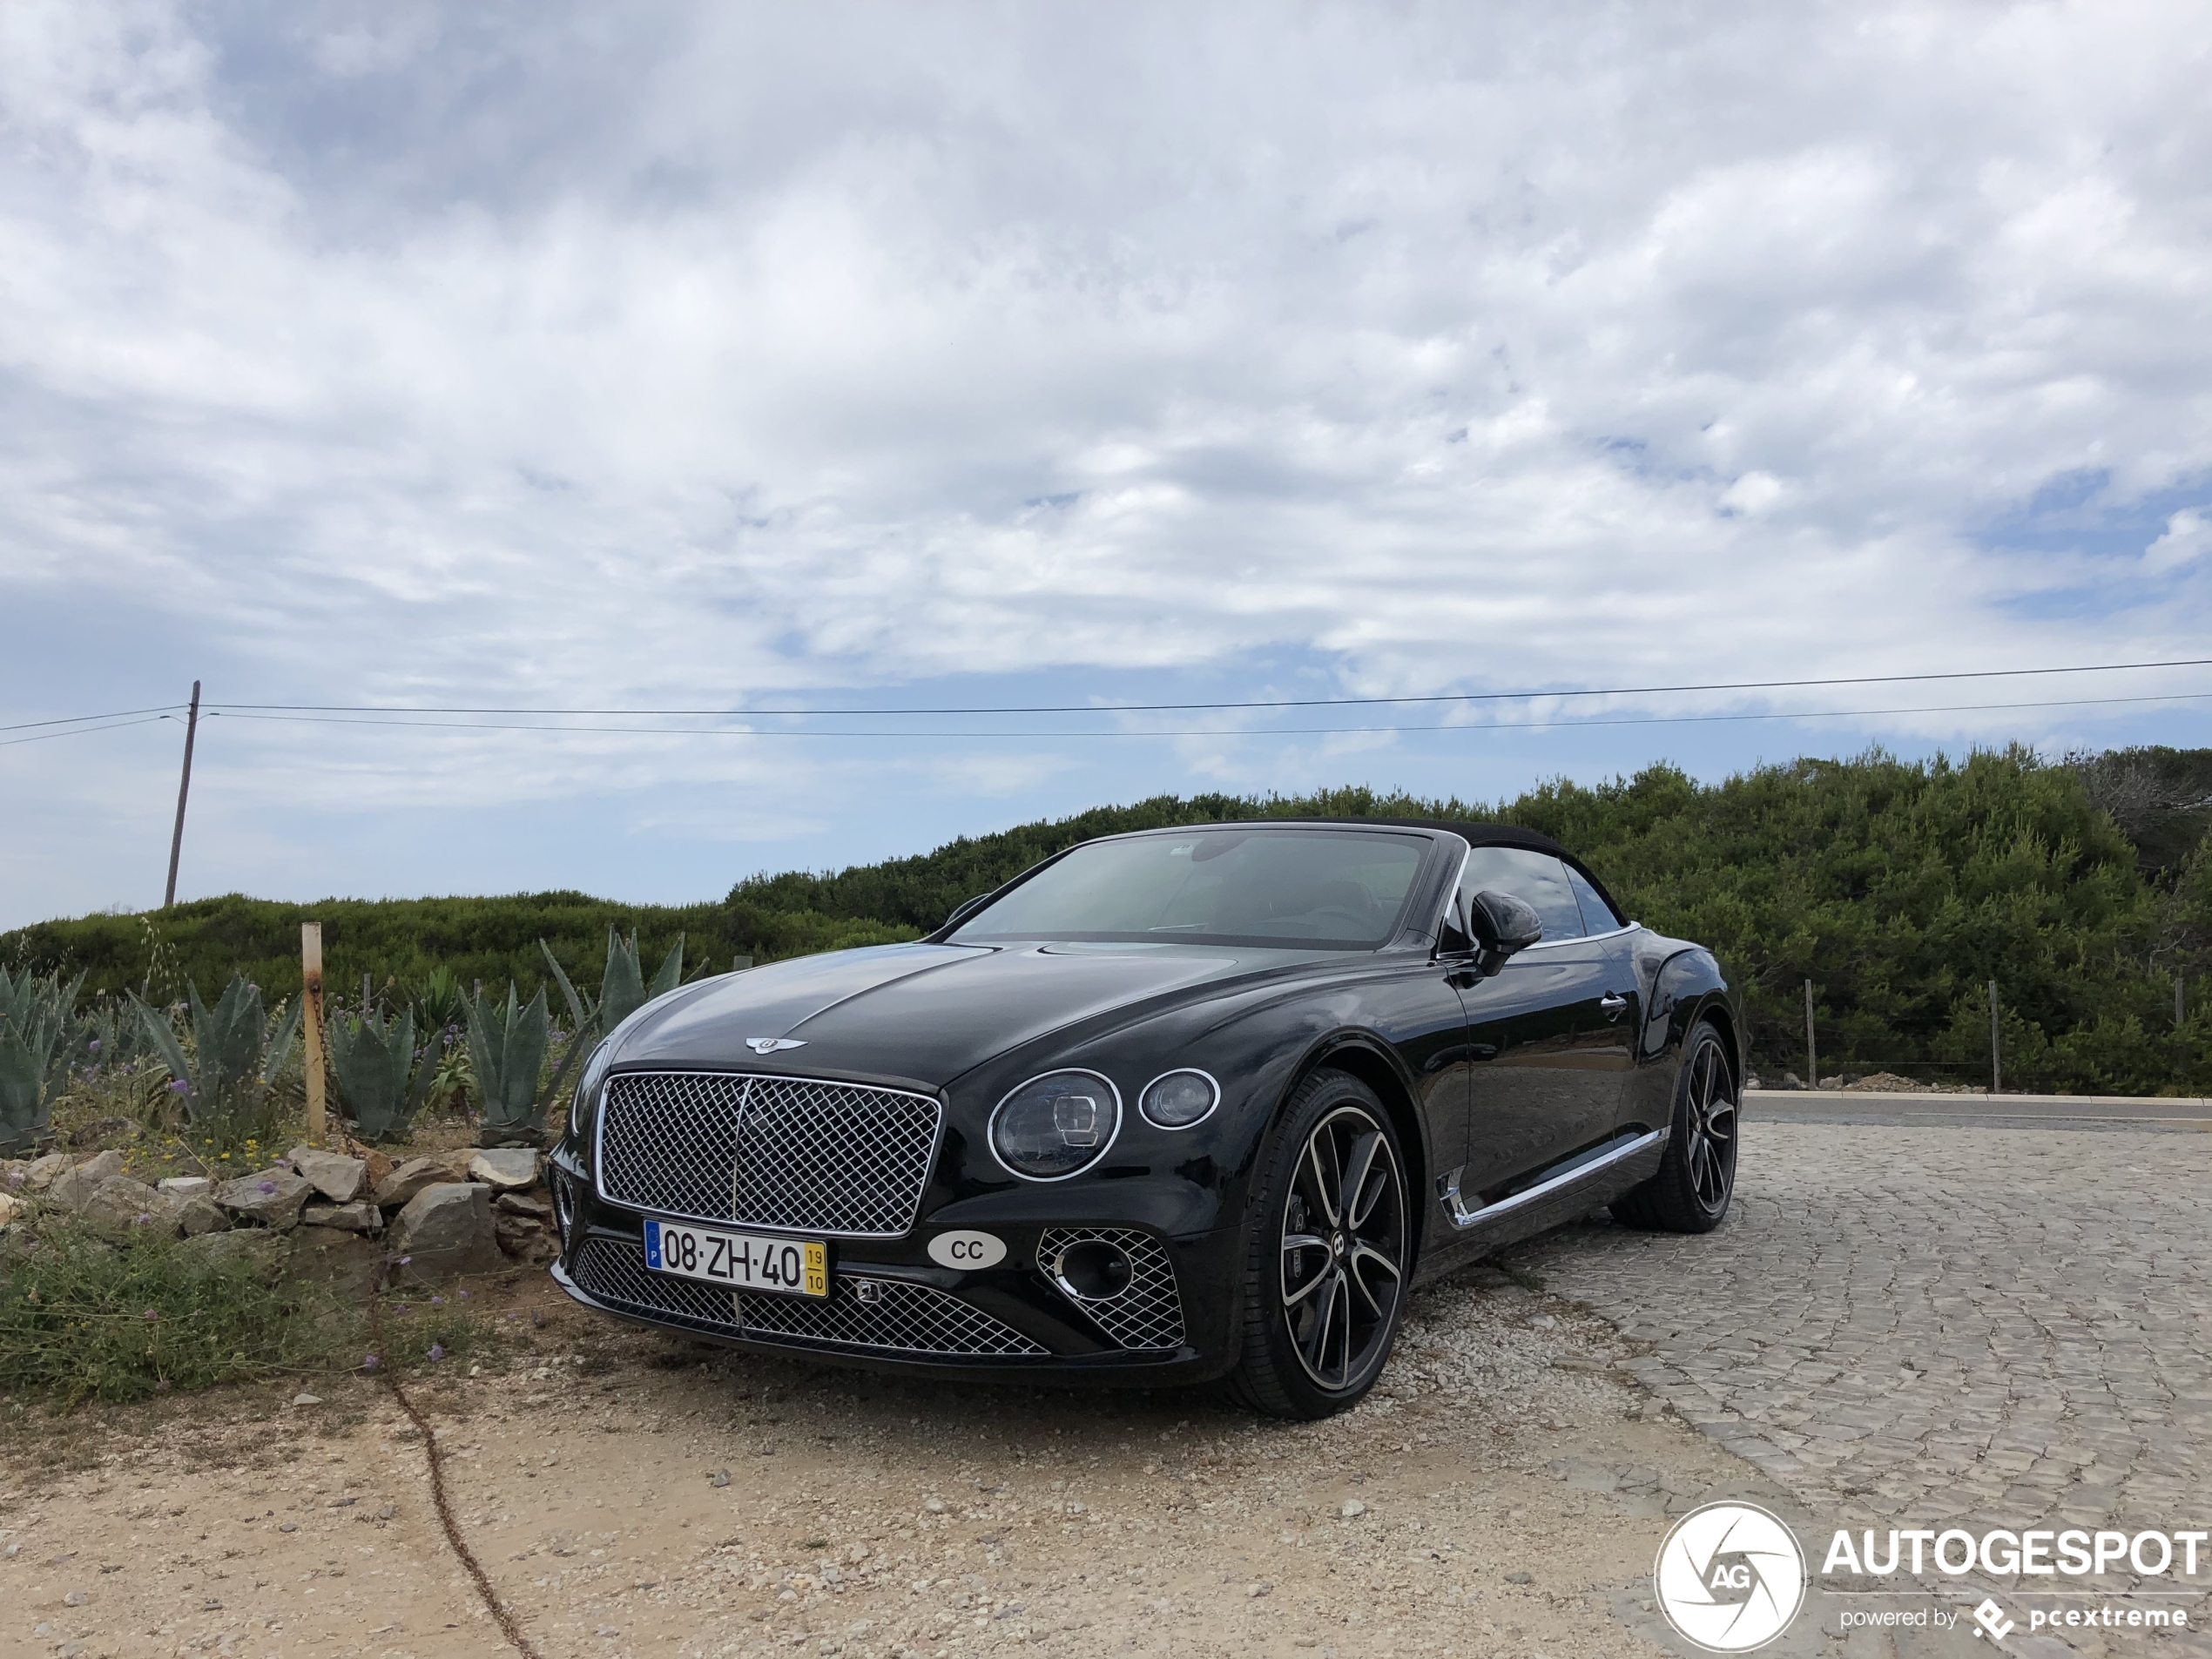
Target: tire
[(1324, 1289), (1690, 1190)]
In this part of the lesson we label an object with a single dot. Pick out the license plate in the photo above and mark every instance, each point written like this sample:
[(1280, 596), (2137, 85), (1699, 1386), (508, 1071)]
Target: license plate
[(743, 1261)]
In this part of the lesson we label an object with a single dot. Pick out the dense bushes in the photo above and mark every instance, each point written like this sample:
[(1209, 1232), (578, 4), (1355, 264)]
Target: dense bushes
[(2081, 885)]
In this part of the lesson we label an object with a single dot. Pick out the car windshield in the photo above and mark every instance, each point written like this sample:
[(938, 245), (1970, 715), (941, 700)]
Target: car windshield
[(1312, 890)]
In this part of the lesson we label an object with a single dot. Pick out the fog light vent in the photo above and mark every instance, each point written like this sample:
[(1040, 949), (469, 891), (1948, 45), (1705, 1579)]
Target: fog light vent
[(1121, 1278)]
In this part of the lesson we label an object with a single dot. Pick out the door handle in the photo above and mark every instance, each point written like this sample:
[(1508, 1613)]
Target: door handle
[(1614, 1003)]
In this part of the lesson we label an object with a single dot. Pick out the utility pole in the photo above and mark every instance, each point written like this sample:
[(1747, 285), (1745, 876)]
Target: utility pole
[(184, 788), (1812, 1053), (1996, 1046), (2177, 999)]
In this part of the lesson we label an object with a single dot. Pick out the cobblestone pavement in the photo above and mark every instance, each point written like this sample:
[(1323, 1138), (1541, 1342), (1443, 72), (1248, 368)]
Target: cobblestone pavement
[(1947, 1327)]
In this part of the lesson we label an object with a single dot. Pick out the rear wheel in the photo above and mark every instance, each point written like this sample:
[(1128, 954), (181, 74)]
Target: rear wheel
[(1695, 1179), (1325, 1279)]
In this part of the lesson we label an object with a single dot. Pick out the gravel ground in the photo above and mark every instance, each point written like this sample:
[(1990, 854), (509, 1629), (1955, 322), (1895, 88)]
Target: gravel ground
[(1503, 1493)]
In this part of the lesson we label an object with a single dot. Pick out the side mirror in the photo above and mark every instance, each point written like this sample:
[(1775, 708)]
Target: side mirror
[(1502, 924), (965, 908)]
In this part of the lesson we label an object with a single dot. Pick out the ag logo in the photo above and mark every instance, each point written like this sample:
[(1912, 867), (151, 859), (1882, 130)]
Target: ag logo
[(1729, 1577)]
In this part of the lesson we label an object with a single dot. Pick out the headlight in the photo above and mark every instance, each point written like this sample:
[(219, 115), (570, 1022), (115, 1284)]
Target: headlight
[(586, 1091), (1178, 1099), (1055, 1125)]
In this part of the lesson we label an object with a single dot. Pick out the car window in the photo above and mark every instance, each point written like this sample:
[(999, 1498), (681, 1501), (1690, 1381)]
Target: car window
[(1291, 887), (1597, 916), (1536, 878)]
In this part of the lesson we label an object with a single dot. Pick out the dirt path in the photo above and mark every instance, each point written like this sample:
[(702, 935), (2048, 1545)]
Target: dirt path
[(636, 1495)]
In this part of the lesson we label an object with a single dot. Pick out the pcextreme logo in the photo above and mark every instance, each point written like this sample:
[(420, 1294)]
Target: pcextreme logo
[(1729, 1577)]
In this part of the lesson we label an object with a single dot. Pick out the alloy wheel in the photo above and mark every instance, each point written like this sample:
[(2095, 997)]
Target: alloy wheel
[(1712, 1128), (1343, 1249)]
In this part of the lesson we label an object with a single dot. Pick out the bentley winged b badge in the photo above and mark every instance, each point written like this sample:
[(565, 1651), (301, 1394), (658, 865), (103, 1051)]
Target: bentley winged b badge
[(774, 1045)]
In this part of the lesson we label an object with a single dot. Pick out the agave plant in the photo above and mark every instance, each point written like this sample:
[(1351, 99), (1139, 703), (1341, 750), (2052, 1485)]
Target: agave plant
[(235, 1055), (34, 1015), (380, 1077), (507, 1049), (440, 1004), (623, 990)]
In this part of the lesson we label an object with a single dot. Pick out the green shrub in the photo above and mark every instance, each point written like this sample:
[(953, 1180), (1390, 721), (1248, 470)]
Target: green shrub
[(81, 1318)]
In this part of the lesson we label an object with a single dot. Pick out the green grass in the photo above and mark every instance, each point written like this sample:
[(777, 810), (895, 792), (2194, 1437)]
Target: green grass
[(84, 1319)]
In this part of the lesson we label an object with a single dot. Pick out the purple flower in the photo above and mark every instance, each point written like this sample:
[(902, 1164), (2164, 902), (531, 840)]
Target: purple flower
[(140, 1220), (437, 1301), (464, 1295), (96, 1044), (438, 1351), (267, 1186), (149, 1314), (404, 1260), (179, 1087), (370, 1362)]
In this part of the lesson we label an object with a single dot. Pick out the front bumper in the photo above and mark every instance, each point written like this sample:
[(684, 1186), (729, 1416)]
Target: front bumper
[(893, 1308)]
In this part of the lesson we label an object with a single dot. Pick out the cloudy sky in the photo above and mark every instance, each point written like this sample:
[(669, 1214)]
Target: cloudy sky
[(865, 357)]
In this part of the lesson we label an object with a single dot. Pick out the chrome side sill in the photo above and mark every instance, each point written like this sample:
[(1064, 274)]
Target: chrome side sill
[(1448, 1186)]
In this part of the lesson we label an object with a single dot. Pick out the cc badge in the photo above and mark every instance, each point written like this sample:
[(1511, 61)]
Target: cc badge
[(966, 1250)]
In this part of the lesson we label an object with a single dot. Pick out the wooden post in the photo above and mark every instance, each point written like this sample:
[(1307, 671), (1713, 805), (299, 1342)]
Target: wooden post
[(1996, 1047), (311, 1020), (184, 788), (1812, 1053)]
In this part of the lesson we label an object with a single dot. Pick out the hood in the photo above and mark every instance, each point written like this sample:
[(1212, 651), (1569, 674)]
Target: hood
[(923, 1014)]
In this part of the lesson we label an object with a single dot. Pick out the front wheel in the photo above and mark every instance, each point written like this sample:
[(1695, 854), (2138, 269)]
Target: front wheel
[(1690, 1191), (1325, 1279)]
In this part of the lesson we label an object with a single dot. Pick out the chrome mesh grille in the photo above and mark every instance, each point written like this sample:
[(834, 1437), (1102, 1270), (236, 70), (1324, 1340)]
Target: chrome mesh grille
[(902, 1317), (1148, 1314), (785, 1152)]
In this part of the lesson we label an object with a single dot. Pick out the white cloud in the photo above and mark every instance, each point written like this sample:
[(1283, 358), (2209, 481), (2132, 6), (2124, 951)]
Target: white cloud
[(696, 353), (2189, 536)]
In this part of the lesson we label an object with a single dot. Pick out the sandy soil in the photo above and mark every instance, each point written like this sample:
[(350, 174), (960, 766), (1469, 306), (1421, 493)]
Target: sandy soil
[(1503, 1492)]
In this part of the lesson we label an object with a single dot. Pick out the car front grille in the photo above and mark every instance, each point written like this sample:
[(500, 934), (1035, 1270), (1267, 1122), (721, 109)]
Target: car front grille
[(896, 1317), (792, 1153), (1146, 1313)]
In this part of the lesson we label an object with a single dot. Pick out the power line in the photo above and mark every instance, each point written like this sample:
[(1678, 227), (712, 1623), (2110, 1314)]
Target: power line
[(79, 720), (80, 732), (1256, 703), (1220, 731)]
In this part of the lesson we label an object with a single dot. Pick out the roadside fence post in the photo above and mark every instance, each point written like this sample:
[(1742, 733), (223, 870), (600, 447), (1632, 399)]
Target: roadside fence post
[(1812, 1053), (311, 1020), (1996, 1047)]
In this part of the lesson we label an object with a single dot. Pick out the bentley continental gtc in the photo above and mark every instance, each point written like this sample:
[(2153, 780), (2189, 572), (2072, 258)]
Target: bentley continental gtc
[(1177, 1107)]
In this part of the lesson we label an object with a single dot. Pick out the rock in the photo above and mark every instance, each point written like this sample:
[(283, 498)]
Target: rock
[(10, 1209), (514, 1204), (339, 1178), (120, 1207), (186, 1186), (446, 1228), (73, 1188), (506, 1169), (1352, 1509), (411, 1178), (195, 1213), (348, 1260), (253, 1248), (44, 1172), (525, 1240), (307, 1399), (504, 1134), (273, 1198), (360, 1216), (379, 1165)]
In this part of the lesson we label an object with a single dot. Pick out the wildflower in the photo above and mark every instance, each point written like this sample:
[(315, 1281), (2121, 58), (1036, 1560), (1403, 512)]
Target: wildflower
[(141, 1218), (149, 1314), (404, 1260), (96, 1043), (369, 1362), (179, 1087), (267, 1186), (464, 1295), (437, 1301), (438, 1351)]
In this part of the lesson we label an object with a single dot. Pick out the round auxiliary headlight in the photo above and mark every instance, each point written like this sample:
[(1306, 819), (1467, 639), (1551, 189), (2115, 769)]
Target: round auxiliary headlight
[(1178, 1099), (1055, 1125)]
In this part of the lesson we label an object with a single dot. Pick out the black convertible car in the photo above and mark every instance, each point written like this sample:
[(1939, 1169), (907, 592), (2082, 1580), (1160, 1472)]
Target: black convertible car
[(1170, 1107)]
